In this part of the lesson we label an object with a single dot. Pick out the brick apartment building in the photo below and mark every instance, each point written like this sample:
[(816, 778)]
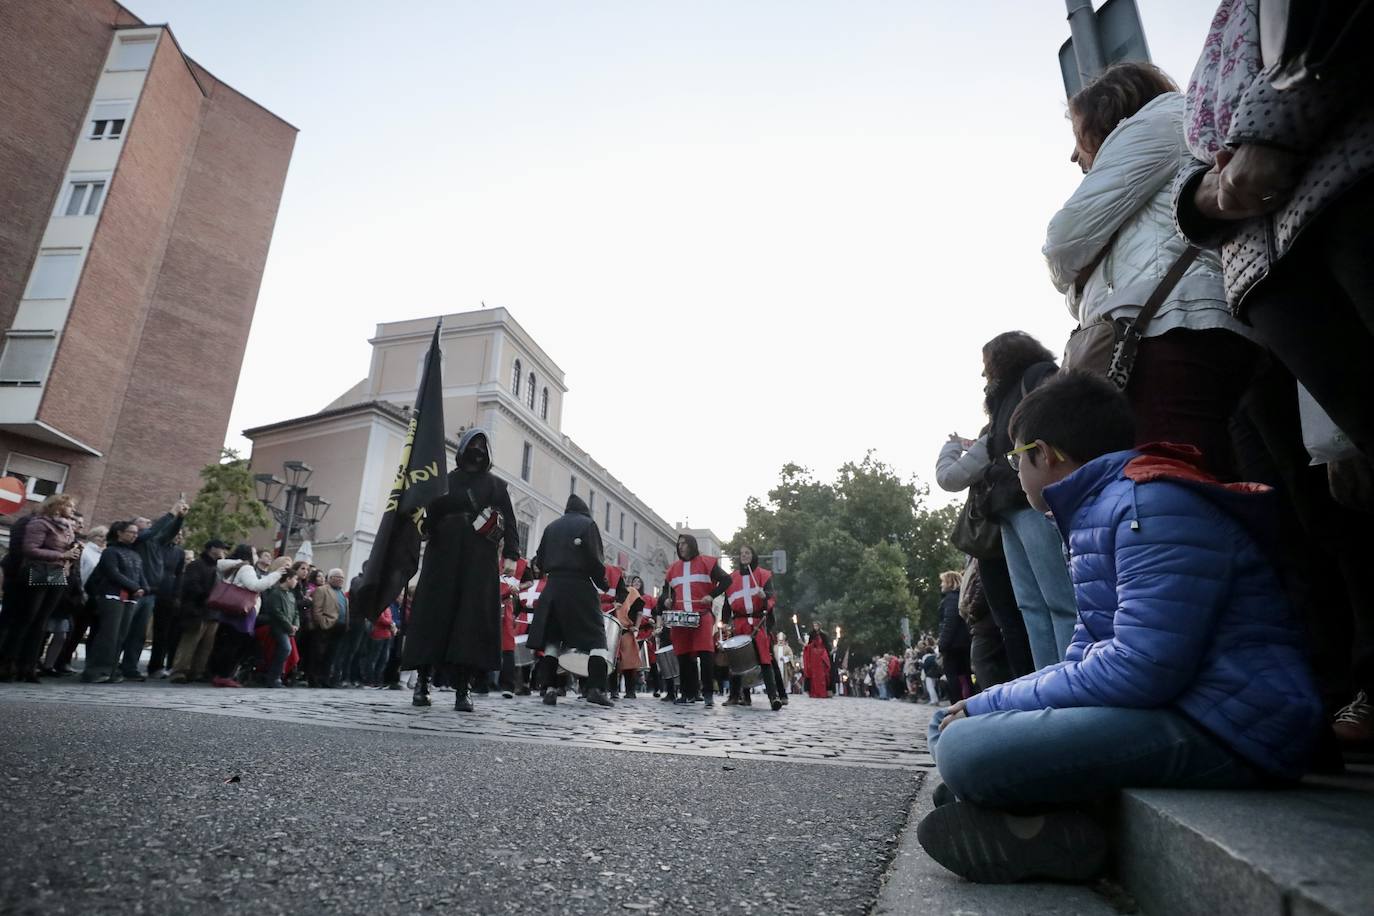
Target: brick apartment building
[(138, 194)]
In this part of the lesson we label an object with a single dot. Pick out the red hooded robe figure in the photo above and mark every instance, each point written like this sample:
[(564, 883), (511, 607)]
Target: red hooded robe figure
[(816, 666)]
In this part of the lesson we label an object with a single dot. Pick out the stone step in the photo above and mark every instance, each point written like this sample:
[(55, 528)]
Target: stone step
[(1303, 852)]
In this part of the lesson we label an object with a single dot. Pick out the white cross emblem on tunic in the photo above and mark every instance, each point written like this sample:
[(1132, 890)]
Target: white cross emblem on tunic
[(747, 591), (684, 583)]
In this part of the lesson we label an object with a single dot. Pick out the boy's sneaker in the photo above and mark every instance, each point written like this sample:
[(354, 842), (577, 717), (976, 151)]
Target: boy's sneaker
[(1354, 724), (992, 847)]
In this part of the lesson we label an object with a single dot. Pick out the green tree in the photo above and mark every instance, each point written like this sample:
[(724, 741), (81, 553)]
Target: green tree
[(226, 506), (864, 551)]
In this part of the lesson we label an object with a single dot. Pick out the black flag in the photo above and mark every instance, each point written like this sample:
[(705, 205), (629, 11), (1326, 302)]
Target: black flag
[(421, 479)]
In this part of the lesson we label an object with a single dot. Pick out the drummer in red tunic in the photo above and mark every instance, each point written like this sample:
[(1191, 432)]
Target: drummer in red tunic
[(749, 605), (530, 587), (692, 584), (611, 598), (642, 613), (510, 590)]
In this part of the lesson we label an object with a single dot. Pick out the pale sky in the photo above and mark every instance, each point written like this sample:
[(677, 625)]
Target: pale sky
[(749, 232)]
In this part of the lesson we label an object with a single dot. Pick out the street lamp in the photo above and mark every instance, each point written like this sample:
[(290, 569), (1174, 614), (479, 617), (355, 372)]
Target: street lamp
[(298, 505)]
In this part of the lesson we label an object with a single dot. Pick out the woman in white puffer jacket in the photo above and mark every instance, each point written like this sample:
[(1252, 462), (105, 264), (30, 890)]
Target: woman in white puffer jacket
[(234, 640), (1114, 240)]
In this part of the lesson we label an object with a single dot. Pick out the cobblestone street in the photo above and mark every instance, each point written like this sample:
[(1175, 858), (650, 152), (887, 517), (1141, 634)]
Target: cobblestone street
[(843, 731)]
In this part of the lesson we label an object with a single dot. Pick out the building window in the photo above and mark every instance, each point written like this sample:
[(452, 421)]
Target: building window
[(515, 380), (107, 128), (41, 478), (83, 198), (522, 531), (526, 462), (591, 502), (134, 53), (529, 395), (544, 404), (635, 533), (622, 527), (608, 517), (26, 356), (572, 485), (54, 274)]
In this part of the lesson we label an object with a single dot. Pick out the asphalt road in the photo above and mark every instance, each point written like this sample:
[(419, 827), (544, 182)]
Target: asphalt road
[(110, 809)]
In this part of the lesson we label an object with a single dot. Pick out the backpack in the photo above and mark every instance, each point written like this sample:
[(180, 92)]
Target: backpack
[(930, 666)]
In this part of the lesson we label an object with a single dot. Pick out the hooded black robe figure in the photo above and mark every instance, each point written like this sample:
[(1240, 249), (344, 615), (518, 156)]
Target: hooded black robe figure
[(455, 617), (568, 615)]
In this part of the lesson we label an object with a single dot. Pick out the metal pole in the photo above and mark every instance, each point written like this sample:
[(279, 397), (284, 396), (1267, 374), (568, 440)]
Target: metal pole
[(1086, 48), (290, 513)]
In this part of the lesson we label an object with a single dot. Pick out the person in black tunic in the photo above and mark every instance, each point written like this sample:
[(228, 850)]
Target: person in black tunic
[(568, 615), (455, 618)]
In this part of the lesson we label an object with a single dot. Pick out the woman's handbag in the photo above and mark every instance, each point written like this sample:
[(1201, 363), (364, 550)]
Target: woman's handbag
[(974, 532), (1108, 348), (228, 598), (1301, 43), (47, 575)]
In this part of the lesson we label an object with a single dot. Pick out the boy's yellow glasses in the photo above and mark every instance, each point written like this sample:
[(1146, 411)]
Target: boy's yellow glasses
[(1014, 456)]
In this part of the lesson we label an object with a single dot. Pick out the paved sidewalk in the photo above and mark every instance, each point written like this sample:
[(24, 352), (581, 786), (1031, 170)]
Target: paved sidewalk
[(844, 731)]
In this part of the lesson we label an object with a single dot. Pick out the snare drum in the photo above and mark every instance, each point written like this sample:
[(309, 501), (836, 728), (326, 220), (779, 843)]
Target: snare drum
[(667, 662), (575, 663), (743, 658), (524, 655)]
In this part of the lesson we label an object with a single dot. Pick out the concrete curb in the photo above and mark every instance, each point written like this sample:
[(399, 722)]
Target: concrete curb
[(1304, 852)]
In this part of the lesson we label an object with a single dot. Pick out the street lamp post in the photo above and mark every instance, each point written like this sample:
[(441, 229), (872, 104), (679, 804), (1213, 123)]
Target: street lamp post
[(299, 503), (1086, 47)]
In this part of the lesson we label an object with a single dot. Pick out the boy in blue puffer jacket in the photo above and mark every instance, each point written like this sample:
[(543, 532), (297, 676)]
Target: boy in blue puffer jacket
[(1186, 669)]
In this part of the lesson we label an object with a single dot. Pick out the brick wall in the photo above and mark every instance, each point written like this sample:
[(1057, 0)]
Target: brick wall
[(149, 360), (187, 367), (85, 393), (51, 54)]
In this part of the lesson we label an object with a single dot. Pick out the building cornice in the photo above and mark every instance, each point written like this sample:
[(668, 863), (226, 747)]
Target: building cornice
[(589, 470)]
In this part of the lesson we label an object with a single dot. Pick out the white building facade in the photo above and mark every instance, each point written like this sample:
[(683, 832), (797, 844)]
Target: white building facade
[(496, 377)]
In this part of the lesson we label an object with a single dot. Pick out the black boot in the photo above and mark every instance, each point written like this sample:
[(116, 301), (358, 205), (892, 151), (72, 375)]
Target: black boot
[(770, 688), (462, 702), (688, 681), (421, 695), (707, 661), (546, 679), (596, 681), (669, 690)]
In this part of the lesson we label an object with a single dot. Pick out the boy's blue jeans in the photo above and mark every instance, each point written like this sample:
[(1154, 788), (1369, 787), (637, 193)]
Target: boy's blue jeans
[(1017, 760)]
